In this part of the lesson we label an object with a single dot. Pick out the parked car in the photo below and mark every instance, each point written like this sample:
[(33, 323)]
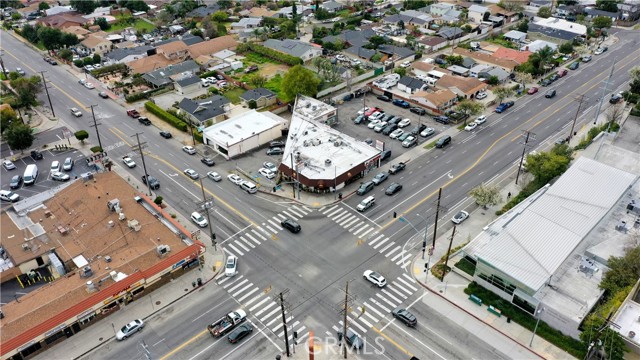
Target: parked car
[(68, 164), (532, 90), (396, 133), (348, 97), (470, 126), (75, 112), (352, 339), (276, 143), (133, 113), (481, 95), (480, 119), (59, 176), (385, 154), (396, 168), (554, 77), (384, 98), (214, 176), (16, 181), (267, 173), (129, 162), (562, 72), (235, 179), (401, 103), (207, 161), (36, 155), (8, 164), (231, 267), (275, 151), (615, 98), (504, 106), (600, 50), (442, 119), (545, 82), (360, 119), (574, 65), (154, 184), (144, 121), (460, 217), (129, 329), (417, 110), (586, 58), (103, 95), (404, 123), (189, 149), (428, 132), (418, 129)]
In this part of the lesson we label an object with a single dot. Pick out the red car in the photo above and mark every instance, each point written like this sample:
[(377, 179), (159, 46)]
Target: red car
[(532, 91), (562, 72), (371, 111)]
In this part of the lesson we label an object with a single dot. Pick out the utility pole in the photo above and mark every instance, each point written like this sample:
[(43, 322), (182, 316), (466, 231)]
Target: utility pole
[(571, 134), (206, 204), (344, 319), (46, 89), (435, 225), (446, 259), (95, 125), (527, 135), (280, 298), (138, 148), (604, 91)]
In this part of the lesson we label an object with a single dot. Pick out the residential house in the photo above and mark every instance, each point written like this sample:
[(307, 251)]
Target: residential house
[(201, 112), (411, 19), (629, 11), (263, 97), (165, 76), (212, 46), (540, 3), (260, 12), (127, 55), (476, 13), (479, 68), (458, 70), (246, 24), (186, 38), (591, 13), (411, 85), (203, 12), (536, 45), (96, 44), (507, 15), (422, 68), (468, 62), (149, 63), (332, 7), (351, 37), (78, 31), (437, 101), (432, 43), (296, 48), (520, 57), (287, 12), (360, 52), (499, 73), (516, 36), (450, 33), (187, 85), (482, 58), (397, 53), (56, 10), (467, 87), (444, 13), (556, 30), (62, 20), (440, 9), (176, 50)]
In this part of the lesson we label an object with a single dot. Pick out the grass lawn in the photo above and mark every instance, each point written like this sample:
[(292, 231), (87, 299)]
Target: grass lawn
[(234, 95), (274, 85), (257, 59), (138, 24)]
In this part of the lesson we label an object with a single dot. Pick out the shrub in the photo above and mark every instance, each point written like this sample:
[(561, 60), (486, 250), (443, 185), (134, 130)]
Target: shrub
[(96, 149), (109, 69), (81, 135), (252, 104), (166, 116), (79, 63), (136, 96), (158, 200)]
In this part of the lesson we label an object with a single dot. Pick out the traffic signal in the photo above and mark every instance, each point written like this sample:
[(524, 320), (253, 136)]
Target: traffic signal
[(394, 214)]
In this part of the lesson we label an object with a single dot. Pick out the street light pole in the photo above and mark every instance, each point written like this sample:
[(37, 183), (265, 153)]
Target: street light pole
[(207, 204), (46, 89), (424, 241), (604, 91), (536, 327)]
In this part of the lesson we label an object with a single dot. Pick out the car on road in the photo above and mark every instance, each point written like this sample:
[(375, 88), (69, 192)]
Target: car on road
[(574, 65), (428, 132), (200, 220), (129, 162), (600, 50), (375, 278), (36, 155), (75, 112), (393, 188), (409, 141), (192, 174), (396, 168), (103, 95), (59, 176), (405, 316), (129, 329), (504, 106), (153, 182), (401, 103), (8, 164), (384, 98), (166, 134), (67, 165), (275, 151), (417, 110), (16, 181), (270, 166), (365, 188), (442, 119), (291, 225), (470, 126), (460, 217), (133, 113), (532, 90), (214, 176), (6, 195), (352, 339), (380, 178), (481, 95), (231, 268), (480, 119), (549, 94), (586, 58), (396, 133), (20, 71), (240, 332), (89, 85), (189, 149), (235, 179), (615, 98), (207, 161), (267, 173), (404, 123), (144, 121)]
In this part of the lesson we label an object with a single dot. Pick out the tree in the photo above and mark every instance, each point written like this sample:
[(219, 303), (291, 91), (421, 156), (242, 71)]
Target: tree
[(50, 37), (224, 4), (454, 59), (469, 108), (623, 271), (252, 104), (135, 5), (607, 5), (614, 113), (8, 117), (401, 24), (515, 6), (102, 22), (486, 195), (43, 6), (220, 16), (164, 17), (81, 135), (258, 81), (327, 71), (84, 6), (502, 92), (400, 71), (566, 48), (523, 26), (197, 32), (96, 59), (376, 41), (19, 136), (545, 166), (68, 39), (30, 33), (601, 22), (27, 89), (66, 54), (221, 29), (634, 72), (544, 12), (299, 80)]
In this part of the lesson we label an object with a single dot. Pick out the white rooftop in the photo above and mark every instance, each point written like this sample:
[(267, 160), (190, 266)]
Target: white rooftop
[(536, 45), (310, 108), (243, 126), (562, 24), (532, 240)]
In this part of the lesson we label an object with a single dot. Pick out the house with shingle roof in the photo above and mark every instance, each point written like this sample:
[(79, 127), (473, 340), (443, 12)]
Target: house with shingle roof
[(296, 48), (263, 97), (411, 85), (360, 52), (96, 44), (186, 38), (450, 33), (173, 51), (203, 12), (351, 37), (482, 58), (432, 43), (476, 13), (164, 77), (519, 57), (201, 111), (62, 21), (436, 101), (212, 46), (126, 55), (397, 53), (187, 85), (516, 36), (78, 31), (246, 24), (332, 6), (464, 87)]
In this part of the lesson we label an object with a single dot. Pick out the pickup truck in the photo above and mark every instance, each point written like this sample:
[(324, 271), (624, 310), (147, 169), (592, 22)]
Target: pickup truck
[(227, 323), (133, 113)]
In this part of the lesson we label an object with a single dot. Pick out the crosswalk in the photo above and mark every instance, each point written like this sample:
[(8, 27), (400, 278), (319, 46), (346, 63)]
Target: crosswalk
[(257, 303), (363, 229), (255, 236), (379, 306)]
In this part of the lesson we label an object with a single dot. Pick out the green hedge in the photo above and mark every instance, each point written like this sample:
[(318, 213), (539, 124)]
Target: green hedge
[(274, 55), (164, 115), (110, 69), (636, 110), (133, 97)]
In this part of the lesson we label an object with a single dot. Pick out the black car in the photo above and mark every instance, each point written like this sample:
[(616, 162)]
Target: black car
[(239, 332), (616, 98), (219, 77), (394, 120), (442, 119), (384, 98), (405, 316), (347, 97), (207, 161), (352, 339), (554, 77), (360, 119), (417, 110), (291, 225), (36, 155), (418, 129), (275, 144), (165, 134), (396, 168), (389, 129), (16, 181), (546, 82), (144, 121), (550, 94), (275, 151), (103, 95), (153, 182), (574, 65), (385, 154), (393, 188)]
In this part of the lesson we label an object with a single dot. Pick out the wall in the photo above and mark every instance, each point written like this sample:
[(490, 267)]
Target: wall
[(343, 85), (250, 143)]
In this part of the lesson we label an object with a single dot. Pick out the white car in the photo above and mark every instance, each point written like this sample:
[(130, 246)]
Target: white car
[(89, 85), (192, 174), (375, 278), (405, 64), (428, 132), (270, 166), (377, 115), (470, 126), (55, 166), (480, 120), (129, 162), (598, 51), (404, 123), (363, 110), (267, 173), (381, 125), (231, 268), (373, 124), (199, 219), (460, 217), (129, 329), (481, 95), (214, 176), (7, 164), (189, 149), (409, 141), (235, 179), (59, 176), (396, 133)]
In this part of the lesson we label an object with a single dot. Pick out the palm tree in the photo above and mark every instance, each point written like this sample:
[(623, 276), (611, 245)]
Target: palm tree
[(543, 57)]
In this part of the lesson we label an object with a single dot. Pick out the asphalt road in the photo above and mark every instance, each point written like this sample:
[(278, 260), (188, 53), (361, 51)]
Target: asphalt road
[(336, 243)]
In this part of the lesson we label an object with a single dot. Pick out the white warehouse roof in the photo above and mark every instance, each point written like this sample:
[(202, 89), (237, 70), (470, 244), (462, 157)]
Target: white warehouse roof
[(243, 126)]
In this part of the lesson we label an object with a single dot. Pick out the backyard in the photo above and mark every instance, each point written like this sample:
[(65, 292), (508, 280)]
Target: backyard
[(233, 95), (124, 22)]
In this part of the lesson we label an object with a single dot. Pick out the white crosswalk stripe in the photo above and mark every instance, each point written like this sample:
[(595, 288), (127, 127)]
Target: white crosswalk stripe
[(279, 217), (265, 308), (269, 315), (247, 294), (367, 314), (236, 285), (391, 296), (394, 250), (272, 230), (404, 260), (234, 280), (289, 215), (369, 307), (259, 304), (359, 227), (366, 232), (409, 278), (346, 219), (252, 300), (338, 219), (379, 304), (386, 300), (223, 280), (289, 327), (388, 246), (228, 252), (240, 244), (235, 294), (295, 211), (325, 210), (350, 222), (361, 319), (402, 286), (281, 324), (380, 236), (275, 224), (252, 238), (304, 336), (333, 212), (336, 328), (277, 318), (380, 243), (257, 234), (235, 249), (247, 242), (392, 288), (351, 322)]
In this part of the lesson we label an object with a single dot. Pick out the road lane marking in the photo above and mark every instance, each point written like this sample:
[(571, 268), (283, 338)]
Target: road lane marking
[(184, 344)]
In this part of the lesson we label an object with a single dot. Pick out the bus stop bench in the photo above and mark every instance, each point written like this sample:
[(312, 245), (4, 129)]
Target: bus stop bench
[(475, 299), (495, 311)]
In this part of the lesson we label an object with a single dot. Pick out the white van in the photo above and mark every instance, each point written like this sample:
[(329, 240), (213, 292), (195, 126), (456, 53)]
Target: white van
[(366, 203), (249, 187), (30, 174)]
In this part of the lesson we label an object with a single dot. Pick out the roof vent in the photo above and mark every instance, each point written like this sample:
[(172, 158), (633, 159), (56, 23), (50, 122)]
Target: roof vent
[(305, 143), (337, 143), (90, 286), (327, 162)]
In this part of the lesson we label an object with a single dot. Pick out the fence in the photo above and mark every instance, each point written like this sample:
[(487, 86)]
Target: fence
[(343, 85)]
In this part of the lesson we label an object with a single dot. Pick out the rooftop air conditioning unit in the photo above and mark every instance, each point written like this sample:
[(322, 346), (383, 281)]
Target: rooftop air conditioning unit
[(163, 250), (113, 204), (327, 162)]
